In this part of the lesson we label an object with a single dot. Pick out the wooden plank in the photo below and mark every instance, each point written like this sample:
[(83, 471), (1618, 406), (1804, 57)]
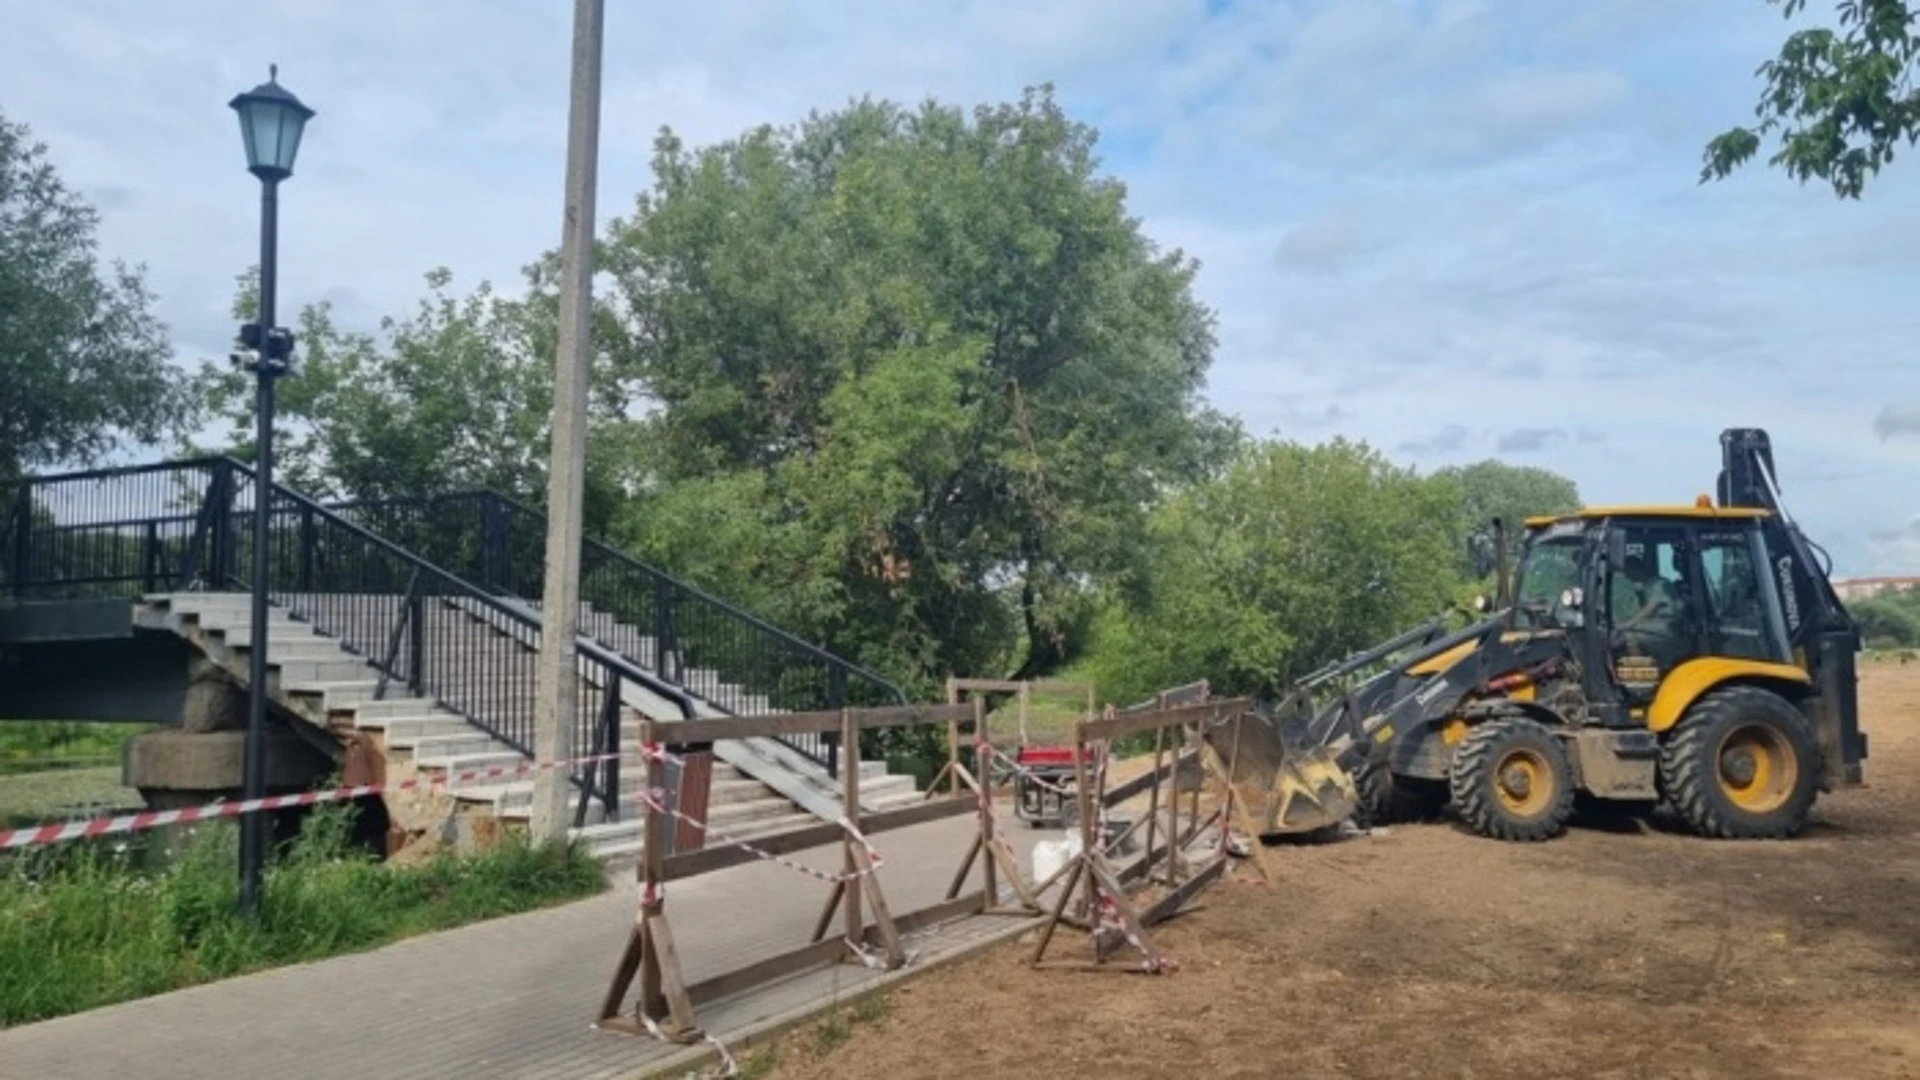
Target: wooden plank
[(882, 916), (813, 836), (722, 728), (1164, 908), (679, 1005), (821, 953), (793, 962), (945, 911), (718, 728), (850, 798), (1097, 869), (1076, 868), (1113, 727), (696, 786), (826, 913), (1141, 865), (991, 686), (966, 865), (910, 716), (623, 974)]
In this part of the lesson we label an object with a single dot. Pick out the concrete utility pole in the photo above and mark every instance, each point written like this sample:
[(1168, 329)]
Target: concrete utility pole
[(557, 700)]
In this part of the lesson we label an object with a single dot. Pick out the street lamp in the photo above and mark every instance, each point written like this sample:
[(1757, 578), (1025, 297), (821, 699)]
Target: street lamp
[(271, 120)]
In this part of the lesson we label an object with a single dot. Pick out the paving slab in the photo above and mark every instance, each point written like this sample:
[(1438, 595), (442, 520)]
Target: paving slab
[(513, 997)]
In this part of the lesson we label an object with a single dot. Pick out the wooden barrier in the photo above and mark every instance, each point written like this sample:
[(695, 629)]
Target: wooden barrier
[(666, 1003), (1101, 898)]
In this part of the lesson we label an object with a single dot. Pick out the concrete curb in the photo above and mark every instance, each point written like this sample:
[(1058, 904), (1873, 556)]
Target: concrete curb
[(763, 1031)]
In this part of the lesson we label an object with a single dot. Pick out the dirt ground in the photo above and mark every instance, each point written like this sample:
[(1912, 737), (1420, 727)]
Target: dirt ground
[(1621, 950)]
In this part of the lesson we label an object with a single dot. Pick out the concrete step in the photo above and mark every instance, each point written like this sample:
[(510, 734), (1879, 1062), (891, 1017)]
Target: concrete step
[(411, 731), (731, 817), (487, 759), (335, 695), (278, 637), (309, 648), (395, 705), (456, 744), (338, 668)]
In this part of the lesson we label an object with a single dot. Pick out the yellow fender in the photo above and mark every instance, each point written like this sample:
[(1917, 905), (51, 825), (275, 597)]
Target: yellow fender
[(1684, 684)]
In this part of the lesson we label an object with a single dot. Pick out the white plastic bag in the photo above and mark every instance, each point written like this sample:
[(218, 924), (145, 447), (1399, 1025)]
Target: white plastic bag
[(1050, 855)]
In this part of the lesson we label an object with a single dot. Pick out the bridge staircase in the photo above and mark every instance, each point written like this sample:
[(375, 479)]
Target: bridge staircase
[(408, 630)]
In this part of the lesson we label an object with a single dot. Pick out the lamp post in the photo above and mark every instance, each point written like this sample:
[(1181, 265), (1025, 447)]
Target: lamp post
[(271, 120)]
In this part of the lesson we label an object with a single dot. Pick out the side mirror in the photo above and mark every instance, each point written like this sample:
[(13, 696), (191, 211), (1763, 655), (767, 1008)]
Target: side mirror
[(1616, 550), (1480, 550)]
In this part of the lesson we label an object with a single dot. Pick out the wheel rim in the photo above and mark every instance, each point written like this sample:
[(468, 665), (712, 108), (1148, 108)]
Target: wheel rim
[(1757, 770), (1523, 781)]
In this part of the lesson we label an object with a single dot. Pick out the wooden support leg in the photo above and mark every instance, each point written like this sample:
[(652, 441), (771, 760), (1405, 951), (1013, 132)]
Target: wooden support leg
[(882, 914), (650, 954), (826, 913), (966, 865), (1076, 869), (1101, 873)]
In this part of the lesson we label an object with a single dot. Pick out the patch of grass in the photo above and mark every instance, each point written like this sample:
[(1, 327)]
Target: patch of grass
[(81, 928), (33, 797), (760, 1064), (873, 1008), (1050, 717), (36, 741), (830, 1033)]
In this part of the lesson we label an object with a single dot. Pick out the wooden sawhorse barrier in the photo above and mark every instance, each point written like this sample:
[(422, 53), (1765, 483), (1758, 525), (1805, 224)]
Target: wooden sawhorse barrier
[(1096, 895), (666, 1004)]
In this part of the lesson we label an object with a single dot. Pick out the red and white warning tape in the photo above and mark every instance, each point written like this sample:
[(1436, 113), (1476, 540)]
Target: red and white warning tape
[(655, 799), (57, 832)]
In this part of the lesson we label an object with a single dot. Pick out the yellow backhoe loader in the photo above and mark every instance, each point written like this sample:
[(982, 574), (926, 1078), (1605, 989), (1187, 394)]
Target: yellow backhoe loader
[(1692, 654)]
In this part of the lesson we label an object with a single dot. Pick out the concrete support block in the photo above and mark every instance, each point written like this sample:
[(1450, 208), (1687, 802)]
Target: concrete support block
[(181, 768), (214, 702)]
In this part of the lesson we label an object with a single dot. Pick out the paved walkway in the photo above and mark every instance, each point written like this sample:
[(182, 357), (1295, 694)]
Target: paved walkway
[(511, 998)]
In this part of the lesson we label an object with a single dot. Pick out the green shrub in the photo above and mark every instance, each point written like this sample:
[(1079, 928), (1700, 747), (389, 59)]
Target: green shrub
[(81, 927)]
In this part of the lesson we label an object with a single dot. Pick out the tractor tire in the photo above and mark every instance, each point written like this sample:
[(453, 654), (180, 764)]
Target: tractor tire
[(1386, 799), (1511, 779), (1743, 763)]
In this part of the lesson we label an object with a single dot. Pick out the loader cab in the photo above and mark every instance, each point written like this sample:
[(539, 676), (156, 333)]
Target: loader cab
[(1648, 589)]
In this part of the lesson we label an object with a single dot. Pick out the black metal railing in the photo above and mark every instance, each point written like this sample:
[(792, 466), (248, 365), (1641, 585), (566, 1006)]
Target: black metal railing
[(732, 659), (423, 626)]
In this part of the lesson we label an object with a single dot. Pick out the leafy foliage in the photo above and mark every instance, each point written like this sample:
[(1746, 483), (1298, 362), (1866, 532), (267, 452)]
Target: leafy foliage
[(455, 396), (1494, 489), (1842, 99), (83, 361), (912, 384), (1890, 619), (920, 374), (1294, 556)]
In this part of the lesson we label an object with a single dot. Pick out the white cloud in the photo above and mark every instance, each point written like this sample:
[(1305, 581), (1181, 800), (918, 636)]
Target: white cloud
[(1434, 224)]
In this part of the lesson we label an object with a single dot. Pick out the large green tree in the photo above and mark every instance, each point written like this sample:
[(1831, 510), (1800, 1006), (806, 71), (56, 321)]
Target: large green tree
[(83, 359), (455, 396), (915, 377), (1512, 493), (1295, 556), (1842, 97)]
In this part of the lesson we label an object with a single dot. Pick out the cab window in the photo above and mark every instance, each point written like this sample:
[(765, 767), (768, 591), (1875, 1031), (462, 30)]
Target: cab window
[(1736, 618), (1550, 567), (1649, 603)]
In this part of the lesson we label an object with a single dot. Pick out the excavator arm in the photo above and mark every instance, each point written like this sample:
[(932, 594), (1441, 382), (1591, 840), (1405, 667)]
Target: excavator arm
[(1824, 637)]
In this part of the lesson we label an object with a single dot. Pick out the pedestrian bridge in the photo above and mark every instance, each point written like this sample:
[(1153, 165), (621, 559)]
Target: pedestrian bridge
[(401, 645)]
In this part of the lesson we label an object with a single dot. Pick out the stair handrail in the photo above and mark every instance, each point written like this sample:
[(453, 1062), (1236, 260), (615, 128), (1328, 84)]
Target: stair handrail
[(507, 606), (616, 555)]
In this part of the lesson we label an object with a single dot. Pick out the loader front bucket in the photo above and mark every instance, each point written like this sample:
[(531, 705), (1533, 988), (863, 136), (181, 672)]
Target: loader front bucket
[(1287, 788)]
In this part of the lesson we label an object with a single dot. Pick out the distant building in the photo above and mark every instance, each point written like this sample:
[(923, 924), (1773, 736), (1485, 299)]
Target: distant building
[(1861, 587)]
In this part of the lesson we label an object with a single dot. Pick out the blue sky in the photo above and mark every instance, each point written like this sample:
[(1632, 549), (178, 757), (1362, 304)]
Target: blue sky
[(1454, 228)]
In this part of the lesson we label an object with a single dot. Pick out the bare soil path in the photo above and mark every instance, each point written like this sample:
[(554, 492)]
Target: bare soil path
[(1625, 949)]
